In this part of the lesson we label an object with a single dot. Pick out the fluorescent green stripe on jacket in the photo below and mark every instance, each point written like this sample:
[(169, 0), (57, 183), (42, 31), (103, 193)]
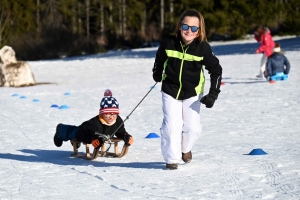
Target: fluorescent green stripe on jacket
[(183, 56), (187, 57), (200, 88)]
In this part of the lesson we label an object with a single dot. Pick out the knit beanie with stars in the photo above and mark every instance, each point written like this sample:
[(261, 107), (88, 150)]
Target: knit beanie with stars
[(109, 104)]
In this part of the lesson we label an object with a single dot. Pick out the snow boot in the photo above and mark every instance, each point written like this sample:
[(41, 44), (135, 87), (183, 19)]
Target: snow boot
[(64, 133), (187, 157), (58, 142), (172, 166)]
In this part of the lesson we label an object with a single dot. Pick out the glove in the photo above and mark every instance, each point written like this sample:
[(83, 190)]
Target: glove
[(210, 98), (257, 51), (157, 77), (97, 143), (128, 139)]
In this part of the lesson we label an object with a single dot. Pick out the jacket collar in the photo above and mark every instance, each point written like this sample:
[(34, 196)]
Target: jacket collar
[(101, 119), (192, 45)]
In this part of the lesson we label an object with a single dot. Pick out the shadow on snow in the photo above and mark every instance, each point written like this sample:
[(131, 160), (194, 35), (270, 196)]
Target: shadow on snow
[(226, 80), (64, 158), (290, 44)]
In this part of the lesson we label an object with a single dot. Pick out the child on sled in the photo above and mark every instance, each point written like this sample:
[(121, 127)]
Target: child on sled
[(277, 65), (105, 123)]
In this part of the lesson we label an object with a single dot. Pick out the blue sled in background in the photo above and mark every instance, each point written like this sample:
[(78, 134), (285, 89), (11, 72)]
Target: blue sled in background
[(279, 77)]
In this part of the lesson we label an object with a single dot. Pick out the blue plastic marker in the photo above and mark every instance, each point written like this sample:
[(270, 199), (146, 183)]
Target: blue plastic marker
[(152, 135), (257, 152), (64, 107)]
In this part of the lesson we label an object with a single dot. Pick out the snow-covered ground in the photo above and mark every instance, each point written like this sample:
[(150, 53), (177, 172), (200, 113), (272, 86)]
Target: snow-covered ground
[(249, 114)]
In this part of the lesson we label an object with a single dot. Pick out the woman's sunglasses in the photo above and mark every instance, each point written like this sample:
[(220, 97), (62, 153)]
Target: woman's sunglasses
[(186, 27)]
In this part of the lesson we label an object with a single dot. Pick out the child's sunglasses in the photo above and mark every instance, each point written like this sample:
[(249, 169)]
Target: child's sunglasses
[(186, 27)]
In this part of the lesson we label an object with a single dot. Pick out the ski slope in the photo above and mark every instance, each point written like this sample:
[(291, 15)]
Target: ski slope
[(250, 113)]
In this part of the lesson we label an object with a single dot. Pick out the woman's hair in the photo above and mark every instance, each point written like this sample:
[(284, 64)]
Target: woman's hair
[(193, 13)]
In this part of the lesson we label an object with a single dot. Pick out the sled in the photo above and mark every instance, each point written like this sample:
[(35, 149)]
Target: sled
[(101, 151), (279, 77)]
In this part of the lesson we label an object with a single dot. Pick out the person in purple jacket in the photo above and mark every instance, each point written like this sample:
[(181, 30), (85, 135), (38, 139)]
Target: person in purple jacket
[(277, 63)]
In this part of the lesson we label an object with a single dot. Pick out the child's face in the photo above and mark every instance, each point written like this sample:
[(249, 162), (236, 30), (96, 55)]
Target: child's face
[(109, 117), (187, 35)]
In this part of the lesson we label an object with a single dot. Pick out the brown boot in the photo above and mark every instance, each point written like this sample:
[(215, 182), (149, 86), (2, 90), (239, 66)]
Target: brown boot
[(187, 157), (172, 166)]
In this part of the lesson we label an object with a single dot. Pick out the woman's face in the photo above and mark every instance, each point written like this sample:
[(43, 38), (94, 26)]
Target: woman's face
[(109, 117), (187, 35)]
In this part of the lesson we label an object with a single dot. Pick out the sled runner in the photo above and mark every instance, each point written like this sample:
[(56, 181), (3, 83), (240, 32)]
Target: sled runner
[(101, 151)]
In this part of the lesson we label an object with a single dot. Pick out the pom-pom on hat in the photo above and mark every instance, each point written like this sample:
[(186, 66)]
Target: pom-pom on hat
[(109, 104), (107, 92)]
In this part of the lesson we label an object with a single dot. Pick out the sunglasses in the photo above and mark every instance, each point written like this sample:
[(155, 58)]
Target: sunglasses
[(186, 27)]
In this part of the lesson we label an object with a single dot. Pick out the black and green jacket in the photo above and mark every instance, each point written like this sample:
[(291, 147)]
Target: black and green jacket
[(181, 67)]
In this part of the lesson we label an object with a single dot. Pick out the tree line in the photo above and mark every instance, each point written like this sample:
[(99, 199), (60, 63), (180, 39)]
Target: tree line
[(46, 29)]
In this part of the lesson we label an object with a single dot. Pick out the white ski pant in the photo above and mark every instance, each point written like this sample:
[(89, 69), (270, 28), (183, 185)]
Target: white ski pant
[(181, 126), (263, 62)]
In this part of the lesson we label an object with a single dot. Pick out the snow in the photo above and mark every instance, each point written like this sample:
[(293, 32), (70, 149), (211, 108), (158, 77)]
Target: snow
[(249, 114)]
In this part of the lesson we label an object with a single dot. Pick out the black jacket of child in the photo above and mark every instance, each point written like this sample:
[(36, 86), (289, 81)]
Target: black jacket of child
[(86, 131)]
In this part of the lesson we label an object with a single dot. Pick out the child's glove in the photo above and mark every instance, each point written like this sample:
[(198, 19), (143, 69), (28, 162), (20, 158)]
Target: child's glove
[(128, 139), (97, 143), (210, 98)]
